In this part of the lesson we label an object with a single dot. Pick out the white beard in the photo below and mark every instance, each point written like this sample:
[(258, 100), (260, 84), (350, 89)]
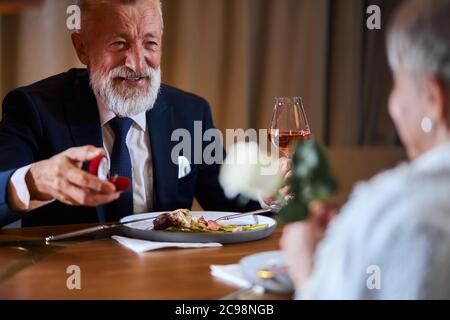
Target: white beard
[(133, 101)]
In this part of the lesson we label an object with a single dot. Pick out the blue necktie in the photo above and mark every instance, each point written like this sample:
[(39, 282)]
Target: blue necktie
[(121, 166)]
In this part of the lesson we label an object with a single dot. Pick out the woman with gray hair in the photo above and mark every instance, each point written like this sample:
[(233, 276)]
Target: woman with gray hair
[(392, 239)]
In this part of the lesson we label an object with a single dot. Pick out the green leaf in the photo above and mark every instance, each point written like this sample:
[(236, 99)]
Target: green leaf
[(311, 181)]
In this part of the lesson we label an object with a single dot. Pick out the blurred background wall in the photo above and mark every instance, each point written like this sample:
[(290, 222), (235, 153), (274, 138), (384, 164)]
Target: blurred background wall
[(239, 55)]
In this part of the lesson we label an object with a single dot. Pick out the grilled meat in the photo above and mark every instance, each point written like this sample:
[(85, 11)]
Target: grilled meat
[(180, 218)]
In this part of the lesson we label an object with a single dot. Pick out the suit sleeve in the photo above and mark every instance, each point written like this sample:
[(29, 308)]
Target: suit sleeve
[(20, 131), (209, 192)]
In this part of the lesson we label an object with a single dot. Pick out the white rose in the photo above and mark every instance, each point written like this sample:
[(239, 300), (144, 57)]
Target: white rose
[(249, 171)]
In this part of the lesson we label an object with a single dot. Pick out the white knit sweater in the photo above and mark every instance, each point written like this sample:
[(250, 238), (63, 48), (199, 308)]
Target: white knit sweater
[(395, 232)]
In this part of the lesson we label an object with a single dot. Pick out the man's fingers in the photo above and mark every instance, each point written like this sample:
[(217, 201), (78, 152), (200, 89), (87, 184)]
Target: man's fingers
[(65, 199), (82, 154), (89, 198), (95, 199), (87, 180)]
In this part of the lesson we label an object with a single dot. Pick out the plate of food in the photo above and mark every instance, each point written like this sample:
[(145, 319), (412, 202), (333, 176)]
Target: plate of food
[(183, 225)]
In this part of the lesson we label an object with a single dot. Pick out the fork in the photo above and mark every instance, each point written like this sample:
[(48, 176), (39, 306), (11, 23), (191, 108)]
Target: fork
[(257, 287), (251, 213)]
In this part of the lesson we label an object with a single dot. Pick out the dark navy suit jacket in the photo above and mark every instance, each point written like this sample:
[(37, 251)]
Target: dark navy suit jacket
[(50, 116)]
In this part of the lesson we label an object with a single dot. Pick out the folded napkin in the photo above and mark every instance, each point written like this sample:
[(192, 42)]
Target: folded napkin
[(230, 273), (140, 246)]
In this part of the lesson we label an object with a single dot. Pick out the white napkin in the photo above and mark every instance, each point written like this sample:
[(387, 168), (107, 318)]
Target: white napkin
[(230, 273), (140, 246)]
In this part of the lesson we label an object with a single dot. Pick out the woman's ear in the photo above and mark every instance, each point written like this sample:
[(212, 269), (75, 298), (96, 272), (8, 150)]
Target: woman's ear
[(80, 48)]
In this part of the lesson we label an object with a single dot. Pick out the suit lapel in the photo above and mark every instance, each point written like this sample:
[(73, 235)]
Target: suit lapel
[(84, 120), (165, 172), (83, 117)]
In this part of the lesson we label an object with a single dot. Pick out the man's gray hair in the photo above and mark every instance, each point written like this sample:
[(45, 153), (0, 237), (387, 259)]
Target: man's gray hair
[(419, 39), (85, 5)]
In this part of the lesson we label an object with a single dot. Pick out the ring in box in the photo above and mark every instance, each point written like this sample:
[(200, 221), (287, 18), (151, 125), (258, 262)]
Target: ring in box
[(99, 167)]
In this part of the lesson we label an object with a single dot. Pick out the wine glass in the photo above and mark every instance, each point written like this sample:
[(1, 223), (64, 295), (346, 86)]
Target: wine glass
[(289, 123)]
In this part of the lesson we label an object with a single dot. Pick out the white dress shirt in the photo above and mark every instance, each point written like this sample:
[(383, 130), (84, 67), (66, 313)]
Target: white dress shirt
[(393, 233), (138, 143)]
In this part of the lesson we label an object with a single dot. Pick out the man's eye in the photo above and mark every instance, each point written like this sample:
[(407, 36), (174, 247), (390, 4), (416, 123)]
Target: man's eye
[(119, 44), (151, 44)]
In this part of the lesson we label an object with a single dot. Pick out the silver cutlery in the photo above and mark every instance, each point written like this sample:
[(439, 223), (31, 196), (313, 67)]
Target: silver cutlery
[(93, 229), (256, 288), (116, 225), (245, 214)]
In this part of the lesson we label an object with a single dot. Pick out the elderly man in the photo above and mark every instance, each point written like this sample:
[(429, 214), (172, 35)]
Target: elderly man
[(117, 108)]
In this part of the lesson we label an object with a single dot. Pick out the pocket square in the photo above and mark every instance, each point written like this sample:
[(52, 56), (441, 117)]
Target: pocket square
[(184, 167)]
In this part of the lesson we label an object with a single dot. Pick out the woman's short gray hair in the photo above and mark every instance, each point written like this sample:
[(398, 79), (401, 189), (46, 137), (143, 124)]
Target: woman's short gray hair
[(419, 39)]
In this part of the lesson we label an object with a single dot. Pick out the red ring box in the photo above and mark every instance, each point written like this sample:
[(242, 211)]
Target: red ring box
[(99, 167)]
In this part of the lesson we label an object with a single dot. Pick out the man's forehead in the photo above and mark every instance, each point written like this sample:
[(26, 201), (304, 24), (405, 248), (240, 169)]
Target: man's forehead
[(86, 5), (117, 17), (95, 7)]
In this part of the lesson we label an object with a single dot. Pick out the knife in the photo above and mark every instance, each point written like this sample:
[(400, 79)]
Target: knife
[(93, 229)]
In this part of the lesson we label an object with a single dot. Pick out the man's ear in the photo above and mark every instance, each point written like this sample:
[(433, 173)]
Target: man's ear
[(80, 48), (436, 98)]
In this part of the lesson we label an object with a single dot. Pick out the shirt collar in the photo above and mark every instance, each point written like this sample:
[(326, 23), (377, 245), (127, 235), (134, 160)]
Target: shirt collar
[(107, 115)]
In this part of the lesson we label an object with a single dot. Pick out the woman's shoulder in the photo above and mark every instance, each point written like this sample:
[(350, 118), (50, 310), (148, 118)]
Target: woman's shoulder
[(398, 197), (406, 182)]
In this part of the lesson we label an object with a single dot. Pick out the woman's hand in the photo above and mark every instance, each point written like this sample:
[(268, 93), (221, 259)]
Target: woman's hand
[(299, 241), (285, 167)]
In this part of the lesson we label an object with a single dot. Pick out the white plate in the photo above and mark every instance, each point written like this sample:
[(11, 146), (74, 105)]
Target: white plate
[(144, 230)]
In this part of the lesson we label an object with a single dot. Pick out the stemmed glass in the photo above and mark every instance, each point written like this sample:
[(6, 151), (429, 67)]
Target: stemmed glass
[(289, 123)]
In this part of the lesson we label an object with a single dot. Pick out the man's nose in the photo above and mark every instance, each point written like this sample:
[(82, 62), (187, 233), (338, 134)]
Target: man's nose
[(135, 59)]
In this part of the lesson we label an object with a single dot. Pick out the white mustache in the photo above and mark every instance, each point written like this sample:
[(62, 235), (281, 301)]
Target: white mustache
[(126, 73), (131, 101)]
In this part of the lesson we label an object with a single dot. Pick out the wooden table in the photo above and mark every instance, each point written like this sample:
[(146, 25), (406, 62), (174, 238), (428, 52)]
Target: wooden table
[(110, 271)]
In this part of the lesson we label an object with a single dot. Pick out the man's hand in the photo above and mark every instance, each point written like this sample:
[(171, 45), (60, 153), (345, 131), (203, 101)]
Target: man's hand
[(299, 241), (62, 178)]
